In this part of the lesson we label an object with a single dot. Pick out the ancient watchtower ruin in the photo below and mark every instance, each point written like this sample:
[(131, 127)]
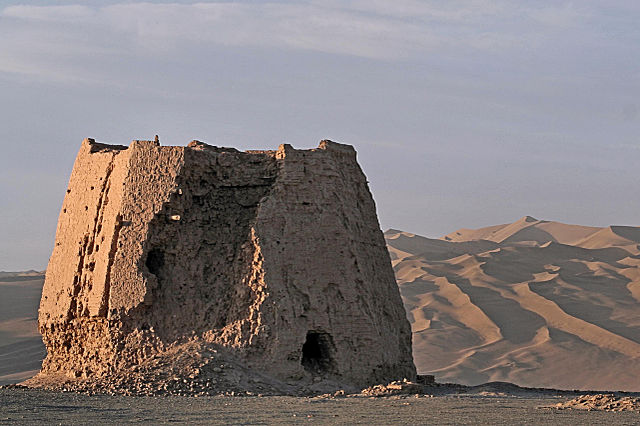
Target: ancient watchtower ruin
[(276, 256)]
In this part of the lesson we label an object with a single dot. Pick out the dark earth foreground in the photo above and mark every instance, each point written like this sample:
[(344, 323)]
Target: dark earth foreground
[(29, 406)]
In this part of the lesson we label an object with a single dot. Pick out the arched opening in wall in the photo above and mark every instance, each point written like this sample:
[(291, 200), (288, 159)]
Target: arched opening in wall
[(317, 353), (155, 261)]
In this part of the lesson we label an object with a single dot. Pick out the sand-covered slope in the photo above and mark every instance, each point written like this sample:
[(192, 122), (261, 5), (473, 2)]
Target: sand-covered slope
[(21, 348), (533, 302)]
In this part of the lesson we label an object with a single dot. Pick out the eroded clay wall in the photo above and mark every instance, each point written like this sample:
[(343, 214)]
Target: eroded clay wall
[(198, 253), (327, 270), (276, 255), (93, 277)]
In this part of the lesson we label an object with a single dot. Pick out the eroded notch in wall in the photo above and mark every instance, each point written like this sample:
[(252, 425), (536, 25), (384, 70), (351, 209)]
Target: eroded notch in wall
[(318, 353)]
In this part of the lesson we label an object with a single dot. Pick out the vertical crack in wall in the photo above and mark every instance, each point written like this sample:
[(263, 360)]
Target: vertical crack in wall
[(83, 279), (86, 279), (103, 200), (104, 304), (77, 279)]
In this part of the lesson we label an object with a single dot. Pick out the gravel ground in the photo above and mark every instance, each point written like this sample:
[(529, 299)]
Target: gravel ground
[(29, 406)]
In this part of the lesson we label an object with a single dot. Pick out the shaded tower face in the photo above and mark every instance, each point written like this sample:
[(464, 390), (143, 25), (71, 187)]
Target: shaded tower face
[(275, 255)]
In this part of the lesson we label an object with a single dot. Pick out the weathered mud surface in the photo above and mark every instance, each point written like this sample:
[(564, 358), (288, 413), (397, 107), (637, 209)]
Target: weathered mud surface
[(272, 260), (34, 406)]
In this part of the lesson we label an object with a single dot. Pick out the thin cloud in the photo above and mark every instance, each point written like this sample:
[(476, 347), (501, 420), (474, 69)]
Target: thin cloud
[(66, 13), (372, 29), (86, 43), (279, 25), (452, 11)]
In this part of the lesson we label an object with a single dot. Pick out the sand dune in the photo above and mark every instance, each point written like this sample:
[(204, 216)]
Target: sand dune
[(534, 302), (526, 229), (21, 348)]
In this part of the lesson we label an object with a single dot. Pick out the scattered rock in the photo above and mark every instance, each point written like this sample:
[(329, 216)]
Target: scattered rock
[(403, 387), (601, 402)]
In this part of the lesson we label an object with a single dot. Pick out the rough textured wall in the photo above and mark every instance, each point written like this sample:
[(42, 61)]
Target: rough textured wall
[(274, 255)]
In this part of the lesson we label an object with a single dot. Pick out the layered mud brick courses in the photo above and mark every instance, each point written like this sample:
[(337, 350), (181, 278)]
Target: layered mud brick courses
[(274, 255)]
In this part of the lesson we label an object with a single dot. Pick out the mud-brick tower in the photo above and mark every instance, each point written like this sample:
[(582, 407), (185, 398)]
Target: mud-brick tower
[(276, 255)]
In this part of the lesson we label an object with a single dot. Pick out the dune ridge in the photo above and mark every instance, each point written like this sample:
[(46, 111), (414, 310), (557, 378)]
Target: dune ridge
[(534, 302)]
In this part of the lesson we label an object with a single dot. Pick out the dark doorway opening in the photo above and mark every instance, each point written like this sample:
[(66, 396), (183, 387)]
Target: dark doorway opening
[(155, 261), (317, 353)]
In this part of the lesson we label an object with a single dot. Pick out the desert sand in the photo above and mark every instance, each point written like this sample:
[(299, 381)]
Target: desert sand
[(31, 406), (536, 303), (21, 348)]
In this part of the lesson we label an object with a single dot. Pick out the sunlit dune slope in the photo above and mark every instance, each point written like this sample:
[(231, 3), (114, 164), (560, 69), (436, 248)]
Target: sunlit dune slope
[(536, 303)]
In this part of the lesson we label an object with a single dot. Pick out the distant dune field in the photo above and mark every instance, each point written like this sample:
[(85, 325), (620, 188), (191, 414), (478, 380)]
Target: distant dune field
[(21, 348), (534, 302)]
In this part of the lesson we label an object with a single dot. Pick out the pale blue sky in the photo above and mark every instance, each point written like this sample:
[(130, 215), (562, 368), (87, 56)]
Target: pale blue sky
[(464, 113)]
